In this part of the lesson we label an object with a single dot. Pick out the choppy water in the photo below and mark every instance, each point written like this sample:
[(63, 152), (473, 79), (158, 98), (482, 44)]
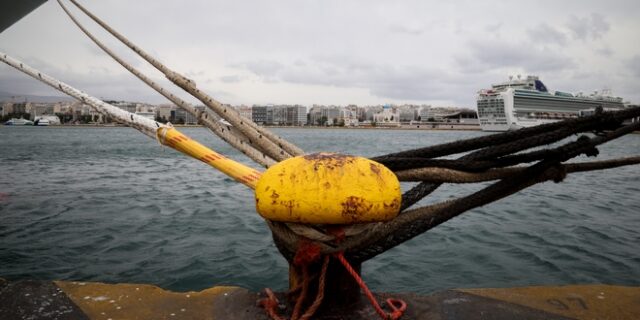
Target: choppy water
[(109, 204)]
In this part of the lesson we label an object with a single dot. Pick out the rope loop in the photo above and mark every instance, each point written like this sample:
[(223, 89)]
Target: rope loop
[(398, 306)]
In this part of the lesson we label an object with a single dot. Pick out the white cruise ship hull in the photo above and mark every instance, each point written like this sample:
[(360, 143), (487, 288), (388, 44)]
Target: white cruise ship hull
[(514, 109)]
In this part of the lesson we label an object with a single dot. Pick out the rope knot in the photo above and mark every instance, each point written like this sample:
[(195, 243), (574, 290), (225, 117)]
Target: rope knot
[(307, 253)]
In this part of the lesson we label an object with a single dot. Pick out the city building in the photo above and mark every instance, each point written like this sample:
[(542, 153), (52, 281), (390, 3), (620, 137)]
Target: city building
[(259, 114), (164, 112), (389, 117), (314, 117), (296, 115)]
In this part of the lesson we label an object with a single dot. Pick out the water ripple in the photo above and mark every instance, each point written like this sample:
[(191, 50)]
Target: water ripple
[(111, 205)]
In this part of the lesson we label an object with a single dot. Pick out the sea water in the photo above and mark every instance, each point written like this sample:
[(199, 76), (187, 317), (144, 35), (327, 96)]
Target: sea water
[(112, 205)]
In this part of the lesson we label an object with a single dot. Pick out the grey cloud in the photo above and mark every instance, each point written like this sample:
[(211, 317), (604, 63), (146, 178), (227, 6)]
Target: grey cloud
[(193, 74), (408, 82), (230, 79), (94, 82), (633, 65), (267, 68), (493, 28), (543, 33), (605, 51), (411, 30), (489, 55), (592, 27), (332, 43)]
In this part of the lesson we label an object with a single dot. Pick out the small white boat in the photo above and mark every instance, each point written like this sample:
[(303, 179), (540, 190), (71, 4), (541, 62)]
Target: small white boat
[(19, 122), (46, 121)]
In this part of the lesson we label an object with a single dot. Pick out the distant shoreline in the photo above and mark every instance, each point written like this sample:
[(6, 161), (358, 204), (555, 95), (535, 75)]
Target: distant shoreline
[(442, 127)]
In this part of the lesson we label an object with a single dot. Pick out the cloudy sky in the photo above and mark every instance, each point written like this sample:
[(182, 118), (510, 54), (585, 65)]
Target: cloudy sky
[(337, 52)]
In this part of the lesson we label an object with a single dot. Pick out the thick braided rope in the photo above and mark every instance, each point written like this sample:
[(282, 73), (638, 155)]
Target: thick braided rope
[(414, 222), (494, 139), (597, 121), (474, 161), (286, 240), (445, 175)]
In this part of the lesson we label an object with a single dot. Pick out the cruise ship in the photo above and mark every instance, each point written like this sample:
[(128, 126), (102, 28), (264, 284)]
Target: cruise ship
[(526, 102)]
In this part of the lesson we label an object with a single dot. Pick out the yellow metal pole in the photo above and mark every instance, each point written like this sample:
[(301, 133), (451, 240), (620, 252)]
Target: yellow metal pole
[(173, 138)]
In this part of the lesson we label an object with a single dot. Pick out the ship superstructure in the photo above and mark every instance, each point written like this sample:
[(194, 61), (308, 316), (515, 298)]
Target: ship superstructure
[(526, 102)]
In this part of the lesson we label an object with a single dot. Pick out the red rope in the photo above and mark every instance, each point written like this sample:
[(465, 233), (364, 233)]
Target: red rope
[(307, 254), (303, 294), (270, 305), (320, 296), (398, 306)]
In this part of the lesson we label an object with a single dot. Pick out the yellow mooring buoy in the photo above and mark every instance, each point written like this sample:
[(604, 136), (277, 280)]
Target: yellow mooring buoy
[(327, 188)]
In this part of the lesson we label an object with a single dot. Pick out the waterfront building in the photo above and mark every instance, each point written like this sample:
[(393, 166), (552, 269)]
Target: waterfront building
[(424, 113), (259, 114), (145, 107), (62, 107), (94, 114), (314, 117), (350, 116), (7, 109), (181, 116), (465, 116), (370, 111), (388, 117), (14, 108), (409, 113), (38, 109), (164, 111), (296, 115), (278, 115), (361, 114), (332, 115)]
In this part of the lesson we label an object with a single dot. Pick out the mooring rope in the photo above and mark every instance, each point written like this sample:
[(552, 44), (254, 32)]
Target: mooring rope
[(488, 158), (264, 140), (165, 134), (495, 145), (445, 175), (413, 222), (380, 237), (227, 133), (491, 152), (142, 124), (466, 145)]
